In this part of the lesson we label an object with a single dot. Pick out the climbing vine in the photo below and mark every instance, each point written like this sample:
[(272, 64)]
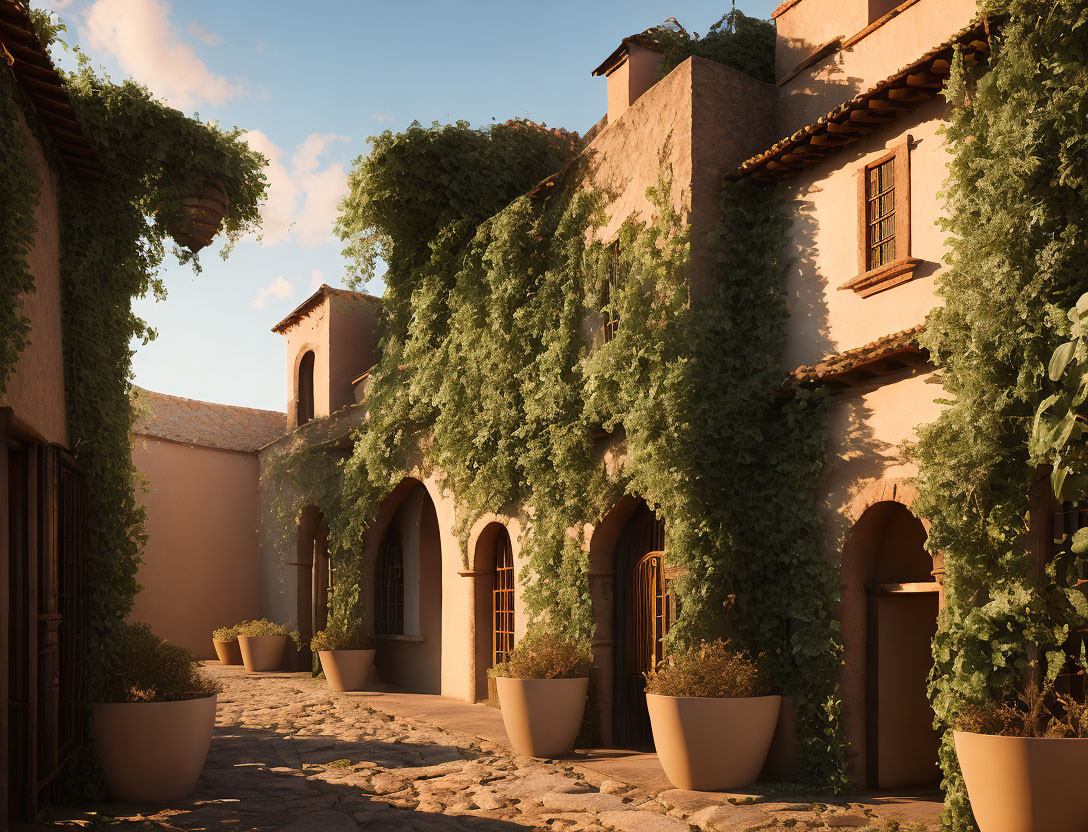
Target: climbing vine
[(1018, 220), (490, 376), (114, 239), (18, 226)]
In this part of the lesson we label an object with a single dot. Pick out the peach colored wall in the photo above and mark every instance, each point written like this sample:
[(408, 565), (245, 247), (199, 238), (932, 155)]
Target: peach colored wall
[(711, 118), (824, 242), (353, 346), (311, 333), (840, 76), (35, 388), (628, 81), (341, 334), (201, 562)]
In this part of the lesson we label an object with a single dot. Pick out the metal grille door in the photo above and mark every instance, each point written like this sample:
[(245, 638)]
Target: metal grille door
[(502, 600)]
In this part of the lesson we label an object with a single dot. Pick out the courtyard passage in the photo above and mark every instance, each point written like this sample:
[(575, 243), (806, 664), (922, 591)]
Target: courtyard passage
[(290, 755)]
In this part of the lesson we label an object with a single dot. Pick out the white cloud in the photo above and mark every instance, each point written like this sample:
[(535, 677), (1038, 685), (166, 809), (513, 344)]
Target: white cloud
[(139, 35), (203, 34), (317, 277), (382, 118), (279, 288), (302, 196)]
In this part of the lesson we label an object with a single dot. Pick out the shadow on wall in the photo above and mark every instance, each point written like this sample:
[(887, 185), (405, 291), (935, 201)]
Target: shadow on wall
[(826, 87), (809, 325)]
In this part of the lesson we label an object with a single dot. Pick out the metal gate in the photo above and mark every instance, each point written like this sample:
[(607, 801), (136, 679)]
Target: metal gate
[(643, 610), (502, 600)]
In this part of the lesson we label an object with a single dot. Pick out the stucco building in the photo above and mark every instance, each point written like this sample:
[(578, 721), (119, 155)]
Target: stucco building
[(42, 489), (850, 133)]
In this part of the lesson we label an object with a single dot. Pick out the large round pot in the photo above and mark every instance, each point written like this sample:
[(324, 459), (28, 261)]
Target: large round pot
[(711, 743), (153, 751), (542, 716), (262, 652), (228, 651), (1025, 784), (346, 669)]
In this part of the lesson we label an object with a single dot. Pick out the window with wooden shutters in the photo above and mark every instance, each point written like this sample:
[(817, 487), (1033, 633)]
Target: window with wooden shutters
[(389, 612), (502, 600), (884, 258)]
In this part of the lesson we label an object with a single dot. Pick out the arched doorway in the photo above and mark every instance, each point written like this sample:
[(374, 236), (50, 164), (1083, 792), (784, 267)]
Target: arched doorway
[(889, 611), (314, 577), (493, 572), (642, 612), (405, 572)]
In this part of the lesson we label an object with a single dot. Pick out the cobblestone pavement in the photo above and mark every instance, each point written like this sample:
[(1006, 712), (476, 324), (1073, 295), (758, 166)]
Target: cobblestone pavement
[(290, 755)]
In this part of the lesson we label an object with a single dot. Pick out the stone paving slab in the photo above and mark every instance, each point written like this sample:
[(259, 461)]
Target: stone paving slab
[(289, 755)]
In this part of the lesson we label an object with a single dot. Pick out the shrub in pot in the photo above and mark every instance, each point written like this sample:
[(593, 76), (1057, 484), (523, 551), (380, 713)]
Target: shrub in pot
[(154, 726), (346, 651), (542, 689), (1024, 762), (262, 643), (225, 641), (713, 717)]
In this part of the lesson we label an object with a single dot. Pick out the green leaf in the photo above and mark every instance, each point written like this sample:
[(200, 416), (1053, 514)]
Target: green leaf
[(1079, 544), (1060, 359)]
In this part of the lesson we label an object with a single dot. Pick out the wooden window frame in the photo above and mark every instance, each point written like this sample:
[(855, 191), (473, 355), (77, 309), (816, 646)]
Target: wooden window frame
[(389, 604), (901, 268)]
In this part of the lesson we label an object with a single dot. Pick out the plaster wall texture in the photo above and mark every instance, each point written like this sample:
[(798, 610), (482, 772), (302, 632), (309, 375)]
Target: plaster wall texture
[(824, 243), (353, 345), (35, 388), (829, 82), (709, 118), (201, 562), (312, 333), (632, 78)]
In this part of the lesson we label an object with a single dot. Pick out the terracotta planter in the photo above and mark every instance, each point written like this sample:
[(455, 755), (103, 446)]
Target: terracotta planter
[(346, 669), (203, 214), (228, 651), (153, 751), (262, 652), (542, 716), (1025, 784), (712, 744)]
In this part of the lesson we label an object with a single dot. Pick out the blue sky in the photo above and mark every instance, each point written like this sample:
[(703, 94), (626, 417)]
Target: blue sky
[(312, 81)]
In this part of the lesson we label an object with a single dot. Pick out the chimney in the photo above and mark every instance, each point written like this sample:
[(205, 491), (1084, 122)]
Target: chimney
[(631, 70)]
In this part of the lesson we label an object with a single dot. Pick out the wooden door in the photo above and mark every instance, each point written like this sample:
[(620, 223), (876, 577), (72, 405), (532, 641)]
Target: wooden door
[(643, 610)]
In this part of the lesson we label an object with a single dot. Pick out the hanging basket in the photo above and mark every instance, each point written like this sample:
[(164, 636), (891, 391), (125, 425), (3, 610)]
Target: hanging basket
[(202, 216)]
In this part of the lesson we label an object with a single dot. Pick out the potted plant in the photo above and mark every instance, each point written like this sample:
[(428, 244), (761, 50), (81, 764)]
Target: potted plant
[(346, 651), (1024, 762), (155, 724), (262, 643), (225, 641), (542, 689), (712, 717)]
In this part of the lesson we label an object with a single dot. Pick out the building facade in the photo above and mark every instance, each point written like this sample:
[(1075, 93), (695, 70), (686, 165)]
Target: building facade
[(850, 135)]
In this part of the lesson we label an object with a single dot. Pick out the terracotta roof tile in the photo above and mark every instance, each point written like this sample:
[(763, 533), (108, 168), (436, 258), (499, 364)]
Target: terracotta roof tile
[(887, 354), (920, 80), (211, 425)]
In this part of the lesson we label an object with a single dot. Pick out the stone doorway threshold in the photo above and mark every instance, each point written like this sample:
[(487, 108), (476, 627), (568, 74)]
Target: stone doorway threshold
[(745, 810)]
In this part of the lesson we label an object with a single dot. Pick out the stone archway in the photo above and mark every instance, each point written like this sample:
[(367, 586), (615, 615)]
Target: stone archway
[(407, 594), (888, 610)]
